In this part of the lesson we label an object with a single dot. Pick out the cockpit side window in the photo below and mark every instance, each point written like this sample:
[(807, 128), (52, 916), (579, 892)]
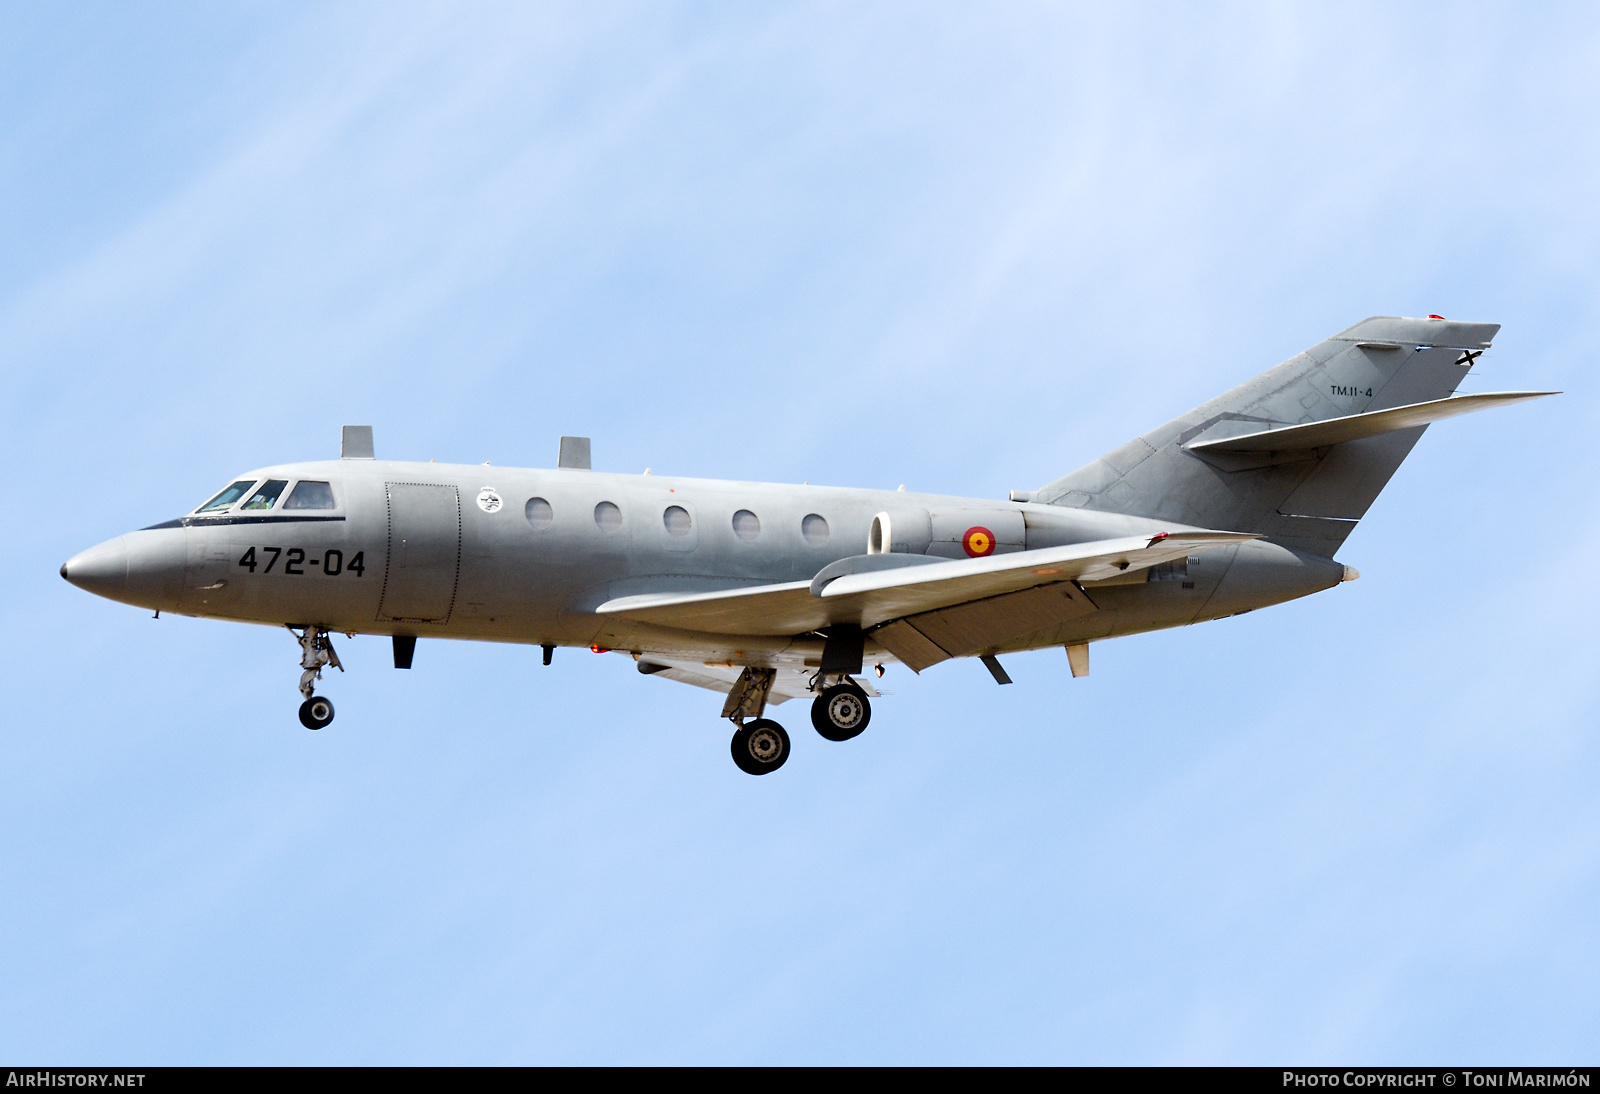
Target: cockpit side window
[(310, 495), (226, 499), (267, 496)]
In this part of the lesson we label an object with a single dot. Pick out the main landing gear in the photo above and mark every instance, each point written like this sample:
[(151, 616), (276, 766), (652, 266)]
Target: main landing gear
[(841, 711), (315, 652), (761, 745)]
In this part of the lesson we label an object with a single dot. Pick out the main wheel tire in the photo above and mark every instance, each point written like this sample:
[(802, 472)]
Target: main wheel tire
[(760, 746), (841, 712), (316, 712)]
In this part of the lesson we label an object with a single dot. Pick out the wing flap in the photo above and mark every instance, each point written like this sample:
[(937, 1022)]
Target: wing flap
[(981, 625), (1354, 427), (910, 646)]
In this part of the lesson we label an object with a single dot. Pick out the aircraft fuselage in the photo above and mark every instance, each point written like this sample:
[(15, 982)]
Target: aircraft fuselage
[(526, 555)]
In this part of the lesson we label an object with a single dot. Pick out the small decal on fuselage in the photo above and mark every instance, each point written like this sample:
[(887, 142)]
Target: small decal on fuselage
[(488, 500), (978, 541)]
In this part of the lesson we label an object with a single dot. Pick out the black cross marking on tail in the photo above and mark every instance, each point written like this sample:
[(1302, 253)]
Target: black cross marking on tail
[(1469, 356)]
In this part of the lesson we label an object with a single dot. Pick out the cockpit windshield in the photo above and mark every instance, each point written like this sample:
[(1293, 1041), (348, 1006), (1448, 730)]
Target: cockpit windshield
[(310, 495), (226, 499), (267, 496)]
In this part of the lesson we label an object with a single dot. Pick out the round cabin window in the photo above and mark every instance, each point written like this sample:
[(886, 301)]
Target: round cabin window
[(815, 529), (607, 517), (677, 520), (539, 513), (746, 525)]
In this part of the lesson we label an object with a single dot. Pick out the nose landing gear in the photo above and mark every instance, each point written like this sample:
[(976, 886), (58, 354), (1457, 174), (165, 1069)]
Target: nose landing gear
[(316, 650), (841, 711)]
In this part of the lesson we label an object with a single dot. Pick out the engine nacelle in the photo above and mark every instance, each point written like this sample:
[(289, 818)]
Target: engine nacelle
[(899, 531), (948, 533)]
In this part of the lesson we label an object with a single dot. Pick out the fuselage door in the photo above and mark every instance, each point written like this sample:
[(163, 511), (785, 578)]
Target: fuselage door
[(424, 553)]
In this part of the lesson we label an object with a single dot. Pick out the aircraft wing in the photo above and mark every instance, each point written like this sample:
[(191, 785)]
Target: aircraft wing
[(1354, 427), (868, 599)]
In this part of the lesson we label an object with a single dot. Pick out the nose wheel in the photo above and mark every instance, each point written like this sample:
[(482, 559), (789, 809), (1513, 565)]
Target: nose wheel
[(841, 711), (316, 712), (760, 746)]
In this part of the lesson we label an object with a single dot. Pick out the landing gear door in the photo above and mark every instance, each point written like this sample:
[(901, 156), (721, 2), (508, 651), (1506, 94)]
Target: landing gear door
[(424, 565)]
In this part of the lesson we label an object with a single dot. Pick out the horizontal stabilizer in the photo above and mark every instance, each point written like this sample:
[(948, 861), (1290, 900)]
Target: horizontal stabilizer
[(1353, 427), (867, 599)]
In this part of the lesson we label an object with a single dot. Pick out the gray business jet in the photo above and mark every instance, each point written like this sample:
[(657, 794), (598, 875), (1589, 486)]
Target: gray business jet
[(767, 592)]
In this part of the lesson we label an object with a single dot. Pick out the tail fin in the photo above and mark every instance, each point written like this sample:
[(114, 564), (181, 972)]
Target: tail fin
[(1301, 496)]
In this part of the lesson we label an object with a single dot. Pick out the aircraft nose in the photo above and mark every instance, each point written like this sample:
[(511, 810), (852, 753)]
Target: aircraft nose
[(144, 568), (102, 570)]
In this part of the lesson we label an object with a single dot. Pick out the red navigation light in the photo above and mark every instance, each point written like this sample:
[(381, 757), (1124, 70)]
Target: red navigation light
[(599, 649), (1435, 317)]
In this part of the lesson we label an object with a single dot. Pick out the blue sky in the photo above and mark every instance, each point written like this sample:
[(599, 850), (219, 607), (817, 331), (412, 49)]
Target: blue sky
[(967, 248)]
